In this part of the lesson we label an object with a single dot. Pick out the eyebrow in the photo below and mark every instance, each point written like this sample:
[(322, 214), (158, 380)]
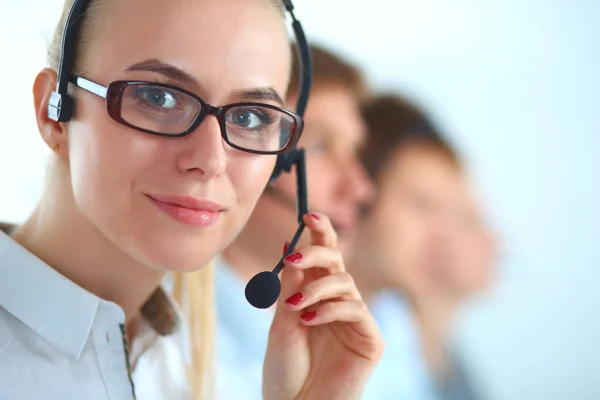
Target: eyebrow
[(260, 94), (167, 70), (179, 75)]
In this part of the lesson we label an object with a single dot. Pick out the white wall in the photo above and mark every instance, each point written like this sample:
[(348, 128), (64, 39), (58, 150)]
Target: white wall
[(517, 84)]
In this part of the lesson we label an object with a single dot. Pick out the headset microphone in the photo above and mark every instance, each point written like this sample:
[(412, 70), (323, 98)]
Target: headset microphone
[(262, 291)]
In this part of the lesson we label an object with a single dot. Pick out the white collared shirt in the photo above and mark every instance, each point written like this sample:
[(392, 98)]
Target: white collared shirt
[(61, 342)]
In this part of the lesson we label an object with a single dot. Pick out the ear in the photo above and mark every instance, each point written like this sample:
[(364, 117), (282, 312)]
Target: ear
[(54, 133)]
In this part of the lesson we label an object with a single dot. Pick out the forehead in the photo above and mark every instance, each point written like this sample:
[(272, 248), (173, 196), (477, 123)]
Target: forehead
[(224, 44), (333, 113), (423, 170)]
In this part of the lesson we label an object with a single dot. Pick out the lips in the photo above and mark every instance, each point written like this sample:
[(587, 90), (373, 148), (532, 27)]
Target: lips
[(188, 210), (189, 202)]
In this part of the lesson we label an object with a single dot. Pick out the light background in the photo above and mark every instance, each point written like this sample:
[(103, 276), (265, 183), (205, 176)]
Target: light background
[(517, 85)]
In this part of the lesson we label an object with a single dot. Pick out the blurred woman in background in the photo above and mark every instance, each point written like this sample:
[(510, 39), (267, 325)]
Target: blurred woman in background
[(422, 250)]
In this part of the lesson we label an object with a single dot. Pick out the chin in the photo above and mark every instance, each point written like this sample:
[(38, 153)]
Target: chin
[(184, 252), (168, 260)]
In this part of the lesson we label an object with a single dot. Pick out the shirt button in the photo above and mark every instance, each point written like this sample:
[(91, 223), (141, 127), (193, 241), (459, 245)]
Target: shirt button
[(107, 338)]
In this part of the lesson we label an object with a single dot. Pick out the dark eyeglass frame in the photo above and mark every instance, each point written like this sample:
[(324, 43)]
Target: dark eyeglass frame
[(113, 96)]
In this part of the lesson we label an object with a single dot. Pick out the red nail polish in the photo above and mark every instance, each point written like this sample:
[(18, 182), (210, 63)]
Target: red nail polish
[(308, 315), (315, 216), (295, 299), (285, 246), (294, 257)]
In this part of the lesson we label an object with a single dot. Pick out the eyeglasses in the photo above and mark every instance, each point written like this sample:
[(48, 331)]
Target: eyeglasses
[(165, 110)]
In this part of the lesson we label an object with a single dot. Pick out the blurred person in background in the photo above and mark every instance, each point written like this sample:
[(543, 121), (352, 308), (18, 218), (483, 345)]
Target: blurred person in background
[(337, 186), (422, 250)]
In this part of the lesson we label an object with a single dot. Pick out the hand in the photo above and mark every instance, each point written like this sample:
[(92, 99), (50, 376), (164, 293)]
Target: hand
[(323, 343)]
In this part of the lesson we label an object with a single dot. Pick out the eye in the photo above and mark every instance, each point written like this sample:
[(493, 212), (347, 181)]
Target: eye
[(157, 97), (248, 118)]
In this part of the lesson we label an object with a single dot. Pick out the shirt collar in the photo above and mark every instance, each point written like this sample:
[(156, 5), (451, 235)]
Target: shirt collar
[(162, 317), (47, 302)]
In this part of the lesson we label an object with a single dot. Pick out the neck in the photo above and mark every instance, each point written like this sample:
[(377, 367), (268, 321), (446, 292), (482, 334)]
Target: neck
[(367, 282), (434, 319), (246, 261), (61, 236), (367, 285), (259, 246)]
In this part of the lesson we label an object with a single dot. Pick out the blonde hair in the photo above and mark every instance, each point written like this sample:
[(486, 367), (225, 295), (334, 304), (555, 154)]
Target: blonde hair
[(193, 291)]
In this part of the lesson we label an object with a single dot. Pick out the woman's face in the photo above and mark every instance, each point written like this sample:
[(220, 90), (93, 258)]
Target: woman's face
[(225, 52), (473, 248), (406, 232), (424, 231)]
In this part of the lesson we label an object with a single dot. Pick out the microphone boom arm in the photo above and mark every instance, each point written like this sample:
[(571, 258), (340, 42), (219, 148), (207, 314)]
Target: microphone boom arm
[(302, 205), (262, 291)]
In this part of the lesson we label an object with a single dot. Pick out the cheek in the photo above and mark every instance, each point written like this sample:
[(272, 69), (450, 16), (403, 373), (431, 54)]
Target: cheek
[(385, 237), (320, 177), (249, 176), (474, 271), (105, 161)]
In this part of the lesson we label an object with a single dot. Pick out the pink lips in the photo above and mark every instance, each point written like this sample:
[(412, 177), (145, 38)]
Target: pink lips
[(188, 210)]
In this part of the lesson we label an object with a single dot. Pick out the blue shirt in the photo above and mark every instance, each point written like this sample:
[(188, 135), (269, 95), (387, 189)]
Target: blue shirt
[(242, 336), (402, 372)]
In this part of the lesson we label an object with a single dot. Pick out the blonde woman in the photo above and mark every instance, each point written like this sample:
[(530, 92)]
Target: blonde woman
[(154, 173)]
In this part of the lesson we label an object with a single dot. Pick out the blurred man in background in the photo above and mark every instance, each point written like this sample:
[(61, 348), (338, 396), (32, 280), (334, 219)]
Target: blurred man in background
[(337, 186), (422, 249)]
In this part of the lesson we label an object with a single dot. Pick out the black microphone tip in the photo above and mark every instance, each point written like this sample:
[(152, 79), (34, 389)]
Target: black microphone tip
[(262, 291)]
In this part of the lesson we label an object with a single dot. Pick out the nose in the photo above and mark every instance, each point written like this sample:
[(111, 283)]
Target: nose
[(357, 183), (203, 153)]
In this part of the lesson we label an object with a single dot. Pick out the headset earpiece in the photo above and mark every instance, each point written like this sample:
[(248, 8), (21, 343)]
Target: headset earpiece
[(60, 107)]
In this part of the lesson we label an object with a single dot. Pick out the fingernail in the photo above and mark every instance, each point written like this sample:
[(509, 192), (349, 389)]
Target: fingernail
[(308, 315), (295, 299), (294, 257), (285, 246), (315, 216)]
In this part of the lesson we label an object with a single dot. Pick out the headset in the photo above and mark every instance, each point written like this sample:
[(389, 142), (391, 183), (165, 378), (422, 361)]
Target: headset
[(263, 290)]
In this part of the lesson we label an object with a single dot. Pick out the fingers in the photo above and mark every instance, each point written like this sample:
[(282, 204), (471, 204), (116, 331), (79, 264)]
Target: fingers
[(316, 256), (342, 311), (339, 286), (321, 230)]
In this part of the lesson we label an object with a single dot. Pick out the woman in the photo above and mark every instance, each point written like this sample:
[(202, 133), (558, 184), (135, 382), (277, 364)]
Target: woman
[(421, 252), (125, 203)]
